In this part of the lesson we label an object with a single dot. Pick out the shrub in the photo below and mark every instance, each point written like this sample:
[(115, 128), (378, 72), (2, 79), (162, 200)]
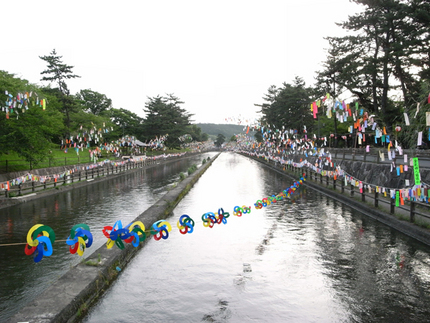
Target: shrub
[(192, 169), (181, 176)]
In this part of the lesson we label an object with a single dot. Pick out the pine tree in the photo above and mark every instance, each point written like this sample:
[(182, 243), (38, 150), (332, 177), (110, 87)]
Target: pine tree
[(165, 116), (384, 56), (288, 106), (58, 72)]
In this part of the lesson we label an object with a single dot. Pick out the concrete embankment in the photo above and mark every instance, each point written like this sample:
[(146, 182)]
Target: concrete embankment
[(104, 175), (380, 214), (68, 299)]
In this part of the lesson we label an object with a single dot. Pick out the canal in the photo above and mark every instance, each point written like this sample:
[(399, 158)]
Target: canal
[(309, 259), (99, 204)]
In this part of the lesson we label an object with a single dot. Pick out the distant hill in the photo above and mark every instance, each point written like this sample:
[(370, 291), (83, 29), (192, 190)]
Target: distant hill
[(228, 130)]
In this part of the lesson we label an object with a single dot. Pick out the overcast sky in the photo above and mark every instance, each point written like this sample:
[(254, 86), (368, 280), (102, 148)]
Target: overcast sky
[(219, 57)]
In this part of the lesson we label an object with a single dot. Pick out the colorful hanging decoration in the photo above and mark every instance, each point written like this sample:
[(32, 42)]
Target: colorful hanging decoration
[(185, 224), (161, 229), (133, 233), (80, 238), (40, 239)]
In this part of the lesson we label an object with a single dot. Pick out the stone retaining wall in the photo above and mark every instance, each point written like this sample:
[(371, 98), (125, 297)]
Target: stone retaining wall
[(372, 173)]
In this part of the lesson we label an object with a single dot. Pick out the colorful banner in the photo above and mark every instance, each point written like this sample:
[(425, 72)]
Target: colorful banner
[(417, 175)]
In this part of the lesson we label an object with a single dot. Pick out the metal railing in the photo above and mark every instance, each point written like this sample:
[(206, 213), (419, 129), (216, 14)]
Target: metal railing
[(373, 156), (12, 165), (76, 176), (410, 208)]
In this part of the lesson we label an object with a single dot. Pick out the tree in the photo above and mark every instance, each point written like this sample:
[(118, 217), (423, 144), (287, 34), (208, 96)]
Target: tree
[(125, 123), (29, 135), (196, 133), (165, 116), (58, 72), (219, 140), (26, 128), (408, 134), (258, 136), (288, 106), (94, 102), (384, 55)]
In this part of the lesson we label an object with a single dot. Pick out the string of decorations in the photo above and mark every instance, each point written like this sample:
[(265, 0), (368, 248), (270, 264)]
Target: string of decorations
[(21, 102), (40, 238), (418, 192), (54, 177)]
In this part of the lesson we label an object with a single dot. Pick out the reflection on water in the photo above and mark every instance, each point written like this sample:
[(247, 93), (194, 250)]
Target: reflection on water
[(308, 260), (99, 204)]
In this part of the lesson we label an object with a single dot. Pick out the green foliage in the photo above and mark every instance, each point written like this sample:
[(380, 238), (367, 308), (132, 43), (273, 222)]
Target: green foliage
[(408, 134), (12, 84), (181, 176), (192, 169), (196, 133), (325, 127), (227, 130), (289, 106), (233, 138), (384, 55), (31, 134), (33, 145), (125, 123), (93, 262), (219, 140), (87, 121), (58, 72), (94, 102), (54, 157), (165, 116), (28, 132), (258, 136)]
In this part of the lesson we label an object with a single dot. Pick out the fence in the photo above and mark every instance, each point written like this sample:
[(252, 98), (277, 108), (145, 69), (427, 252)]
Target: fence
[(13, 165), (410, 208), (77, 176), (373, 156)]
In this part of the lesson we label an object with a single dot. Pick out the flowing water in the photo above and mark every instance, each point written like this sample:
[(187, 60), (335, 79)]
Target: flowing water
[(99, 204), (309, 259)]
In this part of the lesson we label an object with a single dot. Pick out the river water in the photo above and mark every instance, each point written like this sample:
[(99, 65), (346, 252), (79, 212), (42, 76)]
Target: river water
[(310, 259), (99, 204)]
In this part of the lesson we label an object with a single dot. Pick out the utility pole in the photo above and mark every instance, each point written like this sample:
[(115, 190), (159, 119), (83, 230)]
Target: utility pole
[(335, 121)]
